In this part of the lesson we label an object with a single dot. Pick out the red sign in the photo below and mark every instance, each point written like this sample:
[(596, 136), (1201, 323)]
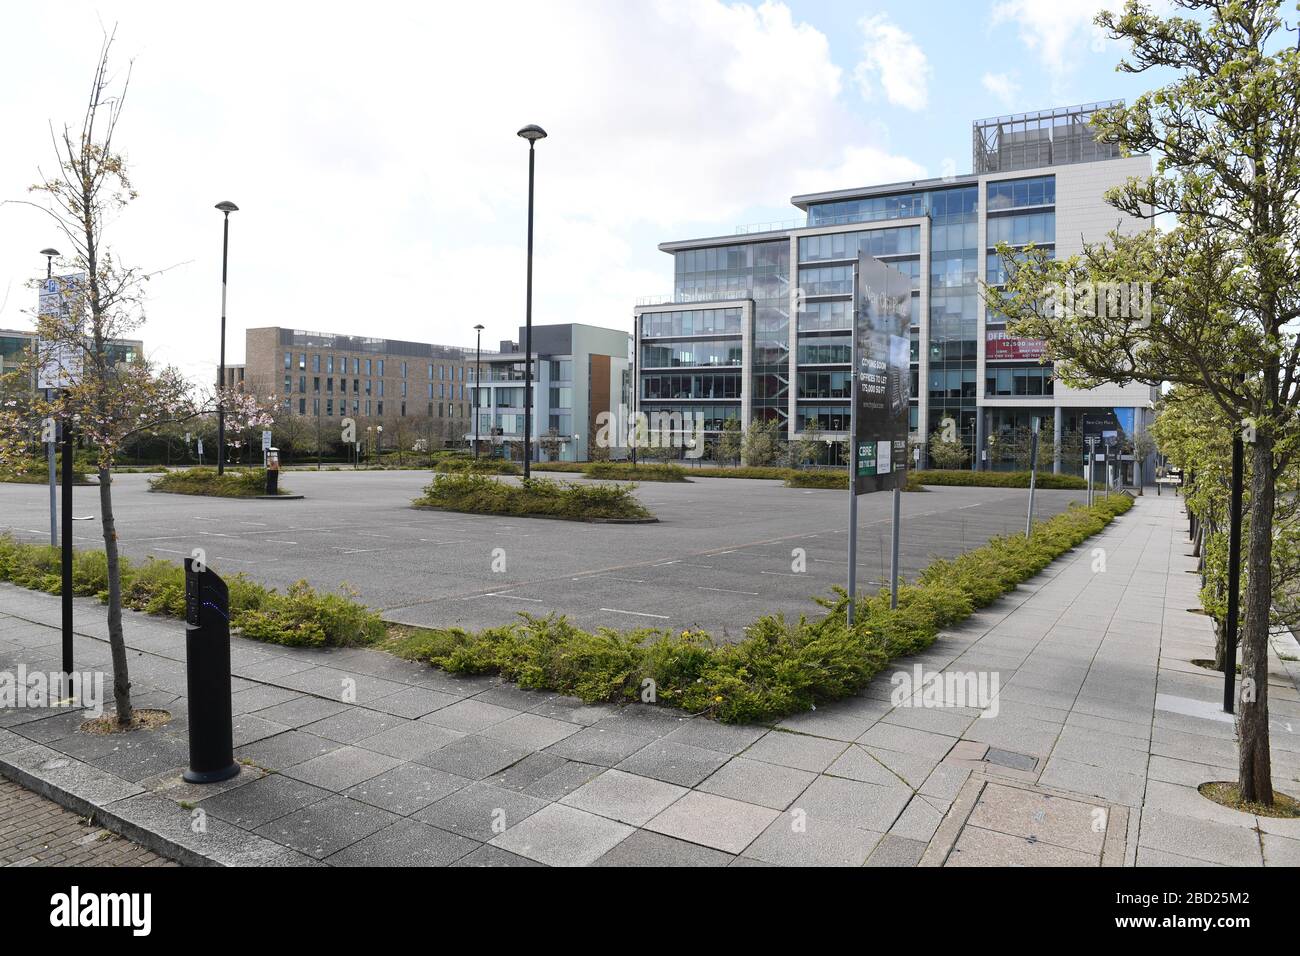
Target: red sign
[(1000, 345)]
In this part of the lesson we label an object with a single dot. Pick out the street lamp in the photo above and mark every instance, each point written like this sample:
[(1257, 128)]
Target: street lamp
[(478, 377), (49, 255), (226, 207), (532, 133)]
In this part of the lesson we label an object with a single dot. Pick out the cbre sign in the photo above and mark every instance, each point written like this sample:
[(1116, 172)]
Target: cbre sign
[(881, 356)]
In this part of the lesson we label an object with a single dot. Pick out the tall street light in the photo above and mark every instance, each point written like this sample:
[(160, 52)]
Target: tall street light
[(532, 133), (49, 255), (226, 207), (478, 379)]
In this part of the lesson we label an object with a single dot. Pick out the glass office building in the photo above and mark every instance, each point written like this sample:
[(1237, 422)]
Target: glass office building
[(723, 342)]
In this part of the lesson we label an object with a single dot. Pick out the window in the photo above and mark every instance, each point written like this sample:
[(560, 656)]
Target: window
[(403, 370), (302, 361), (288, 384), (1010, 193), (329, 364), (302, 383), (302, 406), (367, 366), (315, 363), (288, 360), (315, 383), (329, 406), (329, 385), (381, 368)]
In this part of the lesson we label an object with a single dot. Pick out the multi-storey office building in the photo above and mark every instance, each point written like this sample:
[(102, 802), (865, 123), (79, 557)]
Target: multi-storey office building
[(579, 371), (415, 390), (758, 324)]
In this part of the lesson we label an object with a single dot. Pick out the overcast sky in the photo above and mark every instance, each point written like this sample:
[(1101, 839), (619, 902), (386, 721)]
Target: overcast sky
[(382, 190)]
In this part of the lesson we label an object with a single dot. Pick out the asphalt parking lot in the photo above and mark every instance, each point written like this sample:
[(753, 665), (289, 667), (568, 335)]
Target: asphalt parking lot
[(722, 553)]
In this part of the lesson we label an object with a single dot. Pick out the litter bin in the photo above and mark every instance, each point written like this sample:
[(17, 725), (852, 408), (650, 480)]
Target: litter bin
[(272, 471), (207, 675)]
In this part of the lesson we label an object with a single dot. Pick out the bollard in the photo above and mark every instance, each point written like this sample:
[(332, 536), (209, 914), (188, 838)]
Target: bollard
[(207, 675)]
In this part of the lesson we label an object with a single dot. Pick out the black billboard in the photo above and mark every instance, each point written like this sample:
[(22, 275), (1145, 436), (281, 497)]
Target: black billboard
[(882, 361)]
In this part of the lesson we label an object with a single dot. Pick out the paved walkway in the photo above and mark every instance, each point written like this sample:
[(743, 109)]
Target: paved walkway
[(35, 831), (1101, 731)]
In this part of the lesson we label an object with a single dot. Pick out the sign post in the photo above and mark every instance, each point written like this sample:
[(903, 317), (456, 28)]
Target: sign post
[(878, 413), (1034, 423)]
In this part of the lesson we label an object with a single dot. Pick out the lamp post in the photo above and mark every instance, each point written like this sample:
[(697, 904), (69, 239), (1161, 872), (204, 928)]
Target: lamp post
[(478, 377), (532, 133), (49, 255), (226, 207)]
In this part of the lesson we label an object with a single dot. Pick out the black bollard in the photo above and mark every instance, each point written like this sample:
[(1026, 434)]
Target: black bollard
[(207, 675)]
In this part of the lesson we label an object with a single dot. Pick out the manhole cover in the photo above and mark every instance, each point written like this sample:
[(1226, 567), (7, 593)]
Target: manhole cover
[(1009, 758)]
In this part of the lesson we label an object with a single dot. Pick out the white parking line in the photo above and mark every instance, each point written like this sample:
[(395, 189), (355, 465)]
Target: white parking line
[(784, 574), (727, 590), (615, 610)]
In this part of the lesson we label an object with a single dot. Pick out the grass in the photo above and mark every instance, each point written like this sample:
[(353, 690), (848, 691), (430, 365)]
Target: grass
[(1228, 794), (300, 617), (242, 483), (533, 498), (998, 479), (780, 667)]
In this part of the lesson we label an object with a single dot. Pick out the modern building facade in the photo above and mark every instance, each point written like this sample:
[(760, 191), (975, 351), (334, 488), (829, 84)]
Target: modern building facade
[(759, 322), (579, 372), (415, 390)]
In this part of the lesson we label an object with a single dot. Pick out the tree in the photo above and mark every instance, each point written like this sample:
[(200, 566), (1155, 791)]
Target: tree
[(762, 444), (730, 441), (946, 454), (1144, 447), (1224, 281), (106, 402), (551, 444), (808, 448)]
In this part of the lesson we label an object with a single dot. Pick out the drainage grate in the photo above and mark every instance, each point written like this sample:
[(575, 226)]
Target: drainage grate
[(1009, 758)]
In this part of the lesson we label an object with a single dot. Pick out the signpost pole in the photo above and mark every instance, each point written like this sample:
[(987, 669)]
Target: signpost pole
[(852, 582), (66, 562), (893, 557), (1034, 424), (49, 453)]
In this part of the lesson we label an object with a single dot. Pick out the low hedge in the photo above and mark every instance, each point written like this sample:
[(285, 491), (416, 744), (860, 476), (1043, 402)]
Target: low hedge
[(241, 483), (643, 471), (780, 667), (476, 466), (36, 471), (533, 497), (299, 617), (838, 479), (999, 479)]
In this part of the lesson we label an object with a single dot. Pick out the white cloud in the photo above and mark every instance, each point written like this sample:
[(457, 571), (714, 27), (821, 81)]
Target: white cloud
[(1058, 31), (891, 57), (1002, 86)]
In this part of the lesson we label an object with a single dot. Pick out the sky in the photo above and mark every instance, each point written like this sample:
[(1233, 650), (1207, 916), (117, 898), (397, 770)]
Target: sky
[(371, 148)]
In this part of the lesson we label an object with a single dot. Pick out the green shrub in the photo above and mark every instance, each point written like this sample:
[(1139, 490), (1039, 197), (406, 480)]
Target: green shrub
[(999, 479), (36, 471), (459, 464), (535, 497), (240, 483), (644, 471), (301, 617), (820, 478)]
